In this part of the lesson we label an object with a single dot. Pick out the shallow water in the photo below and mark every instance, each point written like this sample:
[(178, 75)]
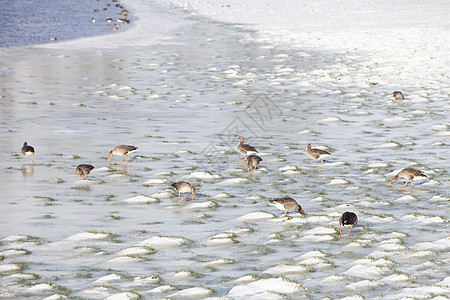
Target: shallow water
[(183, 104), (36, 22)]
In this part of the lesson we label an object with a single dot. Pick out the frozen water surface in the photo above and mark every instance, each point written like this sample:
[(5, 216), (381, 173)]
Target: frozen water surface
[(182, 98)]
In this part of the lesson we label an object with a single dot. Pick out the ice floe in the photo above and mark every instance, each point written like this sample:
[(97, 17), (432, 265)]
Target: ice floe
[(42, 287), (201, 175), (320, 230), (87, 236), (233, 182), (200, 205), (107, 279), (338, 181), (123, 296), (366, 271), (194, 292), (139, 200), (9, 268), (363, 285), (156, 181), (255, 216), (287, 270), (257, 289), (163, 242)]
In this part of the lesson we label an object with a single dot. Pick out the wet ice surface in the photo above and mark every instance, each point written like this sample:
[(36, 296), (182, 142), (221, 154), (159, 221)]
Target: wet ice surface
[(124, 232)]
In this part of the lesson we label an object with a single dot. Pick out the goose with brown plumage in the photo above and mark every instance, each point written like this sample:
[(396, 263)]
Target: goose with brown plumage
[(122, 150), (287, 204), (252, 162), (184, 187), (83, 170), (408, 174), (316, 154), (244, 148)]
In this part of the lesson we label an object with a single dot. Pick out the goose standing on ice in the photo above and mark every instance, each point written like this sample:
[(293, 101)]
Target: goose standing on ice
[(286, 204), (84, 170), (408, 174), (348, 220), (27, 151), (122, 150), (244, 148), (252, 162), (184, 187), (316, 154)]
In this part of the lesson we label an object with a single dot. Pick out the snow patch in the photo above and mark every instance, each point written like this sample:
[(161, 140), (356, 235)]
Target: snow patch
[(233, 182), (162, 242), (255, 216), (87, 236)]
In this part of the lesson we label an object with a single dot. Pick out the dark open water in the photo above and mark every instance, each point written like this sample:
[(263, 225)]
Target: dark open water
[(27, 22)]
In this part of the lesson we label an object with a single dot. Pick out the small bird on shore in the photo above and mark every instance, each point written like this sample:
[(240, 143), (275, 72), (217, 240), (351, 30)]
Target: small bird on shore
[(27, 151), (184, 187), (122, 150), (83, 170), (398, 96), (244, 148), (408, 174), (316, 154), (286, 204), (252, 162), (109, 20), (348, 220)]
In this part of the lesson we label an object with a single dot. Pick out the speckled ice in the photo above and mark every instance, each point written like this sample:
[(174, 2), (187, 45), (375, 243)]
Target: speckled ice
[(181, 83)]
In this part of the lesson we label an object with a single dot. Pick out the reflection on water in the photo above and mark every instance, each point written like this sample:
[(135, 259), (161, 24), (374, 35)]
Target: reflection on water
[(121, 167), (27, 170), (253, 176)]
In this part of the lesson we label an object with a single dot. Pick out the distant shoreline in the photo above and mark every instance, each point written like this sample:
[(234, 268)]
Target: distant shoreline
[(49, 21)]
